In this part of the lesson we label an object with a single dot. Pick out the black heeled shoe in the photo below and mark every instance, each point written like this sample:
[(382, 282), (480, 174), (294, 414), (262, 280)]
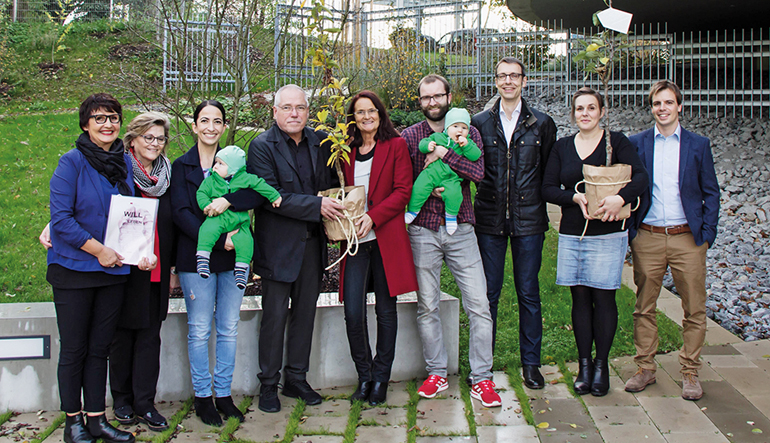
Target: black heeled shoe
[(362, 391), (601, 379), (99, 427), (379, 393), (582, 383), (75, 430)]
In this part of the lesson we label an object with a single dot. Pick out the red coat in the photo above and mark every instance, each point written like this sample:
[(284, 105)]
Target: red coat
[(390, 186)]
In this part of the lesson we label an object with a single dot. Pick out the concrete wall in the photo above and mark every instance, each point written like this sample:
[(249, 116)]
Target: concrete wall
[(30, 385)]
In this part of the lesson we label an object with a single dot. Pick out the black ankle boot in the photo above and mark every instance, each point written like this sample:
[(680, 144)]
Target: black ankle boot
[(601, 380), (204, 408), (226, 406), (362, 391), (75, 430), (582, 383), (99, 427), (379, 393)]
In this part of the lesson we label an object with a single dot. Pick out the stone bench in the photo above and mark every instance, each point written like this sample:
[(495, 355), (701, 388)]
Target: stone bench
[(30, 384)]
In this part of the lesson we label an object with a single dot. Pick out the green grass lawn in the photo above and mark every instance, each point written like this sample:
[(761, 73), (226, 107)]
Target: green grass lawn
[(92, 63), (30, 147)]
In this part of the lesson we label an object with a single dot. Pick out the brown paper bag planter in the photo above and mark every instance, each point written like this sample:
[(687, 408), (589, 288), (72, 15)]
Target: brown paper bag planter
[(354, 200), (603, 181)]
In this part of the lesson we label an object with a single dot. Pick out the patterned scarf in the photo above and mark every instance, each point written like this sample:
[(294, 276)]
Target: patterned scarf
[(156, 182)]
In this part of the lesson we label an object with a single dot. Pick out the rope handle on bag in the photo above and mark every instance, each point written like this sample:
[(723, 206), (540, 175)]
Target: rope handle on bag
[(623, 225), (349, 229)]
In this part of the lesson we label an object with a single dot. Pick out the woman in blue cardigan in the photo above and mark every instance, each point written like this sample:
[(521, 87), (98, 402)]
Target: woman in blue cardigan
[(88, 277)]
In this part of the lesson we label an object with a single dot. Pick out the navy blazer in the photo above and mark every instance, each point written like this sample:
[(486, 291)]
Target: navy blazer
[(79, 212), (698, 187), (186, 178), (280, 233)]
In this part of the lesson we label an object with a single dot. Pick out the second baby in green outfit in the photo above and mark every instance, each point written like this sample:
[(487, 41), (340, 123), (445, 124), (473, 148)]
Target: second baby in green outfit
[(229, 175), (457, 124)]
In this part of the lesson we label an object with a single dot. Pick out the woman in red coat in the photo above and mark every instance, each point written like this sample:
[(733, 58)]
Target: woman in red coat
[(379, 162)]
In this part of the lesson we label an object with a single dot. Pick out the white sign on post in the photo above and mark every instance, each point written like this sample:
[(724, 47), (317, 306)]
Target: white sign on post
[(615, 19), (131, 227)]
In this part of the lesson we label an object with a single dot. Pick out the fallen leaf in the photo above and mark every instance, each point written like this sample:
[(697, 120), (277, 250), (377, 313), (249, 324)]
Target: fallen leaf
[(542, 411), (703, 408), (554, 381), (548, 402), (517, 411), (543, 425), (756, 431), (573, 426)]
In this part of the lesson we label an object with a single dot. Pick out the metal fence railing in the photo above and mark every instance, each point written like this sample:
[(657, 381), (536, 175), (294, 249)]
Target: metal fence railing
[(68, 10), (720, 72), (202, 52)]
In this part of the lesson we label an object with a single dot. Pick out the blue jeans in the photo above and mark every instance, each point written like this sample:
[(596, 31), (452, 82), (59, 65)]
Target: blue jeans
[(216, 298), (460, 252), (361, 271), (527, 254)]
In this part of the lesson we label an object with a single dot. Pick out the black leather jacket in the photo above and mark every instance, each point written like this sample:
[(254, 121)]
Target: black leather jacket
[(508, 199)]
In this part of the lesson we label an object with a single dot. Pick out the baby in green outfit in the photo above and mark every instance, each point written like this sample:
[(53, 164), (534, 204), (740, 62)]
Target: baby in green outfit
[(229, 175), (457, 124)]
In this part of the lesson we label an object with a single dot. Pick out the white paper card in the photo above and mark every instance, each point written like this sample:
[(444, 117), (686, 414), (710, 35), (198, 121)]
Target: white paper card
[(131, 227), (615, 19)]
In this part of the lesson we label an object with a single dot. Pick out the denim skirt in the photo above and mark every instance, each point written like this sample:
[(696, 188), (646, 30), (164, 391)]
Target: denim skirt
[(595, 261)]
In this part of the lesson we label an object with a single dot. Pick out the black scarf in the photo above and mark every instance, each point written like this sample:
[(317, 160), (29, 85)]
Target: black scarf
[(109, 164)]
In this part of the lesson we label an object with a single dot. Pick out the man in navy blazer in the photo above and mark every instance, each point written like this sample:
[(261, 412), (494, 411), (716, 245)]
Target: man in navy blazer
[(674, 226), (290, 244)]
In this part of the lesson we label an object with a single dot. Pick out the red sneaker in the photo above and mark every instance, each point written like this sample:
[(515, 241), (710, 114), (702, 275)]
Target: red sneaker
[(432, 386), (484, 391)]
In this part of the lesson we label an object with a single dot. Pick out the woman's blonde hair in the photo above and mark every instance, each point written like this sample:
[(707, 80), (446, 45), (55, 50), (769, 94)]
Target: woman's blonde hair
[(142, 123)]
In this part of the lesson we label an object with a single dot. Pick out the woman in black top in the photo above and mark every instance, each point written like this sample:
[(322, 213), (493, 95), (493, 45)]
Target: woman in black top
[(591, 264)]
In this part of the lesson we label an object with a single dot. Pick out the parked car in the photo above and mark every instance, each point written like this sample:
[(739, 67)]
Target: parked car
[(462, 40)]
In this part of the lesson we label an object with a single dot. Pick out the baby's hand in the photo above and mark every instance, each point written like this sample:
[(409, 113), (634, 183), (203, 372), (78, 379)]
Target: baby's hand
[(431, 146), (462, 141), (277, 202)]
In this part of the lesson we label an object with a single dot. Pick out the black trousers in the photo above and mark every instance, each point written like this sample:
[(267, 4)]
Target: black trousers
[(275, 312), (135, 361), (87, 319), (360, 270)]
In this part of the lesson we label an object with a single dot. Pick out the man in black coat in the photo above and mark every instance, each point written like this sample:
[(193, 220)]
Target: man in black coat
[(517, 141), (290, 244)]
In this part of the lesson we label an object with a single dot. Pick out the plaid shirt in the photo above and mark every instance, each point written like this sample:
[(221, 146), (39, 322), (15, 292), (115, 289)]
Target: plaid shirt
[(431, 215)]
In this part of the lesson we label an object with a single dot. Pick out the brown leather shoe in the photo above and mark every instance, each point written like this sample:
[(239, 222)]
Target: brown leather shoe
[(640, 380), (691, 389)]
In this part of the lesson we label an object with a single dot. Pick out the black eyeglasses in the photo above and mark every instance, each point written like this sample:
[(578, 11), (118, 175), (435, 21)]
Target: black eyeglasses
[(151, 138), (513, 76), (425, 99), (101, 119)]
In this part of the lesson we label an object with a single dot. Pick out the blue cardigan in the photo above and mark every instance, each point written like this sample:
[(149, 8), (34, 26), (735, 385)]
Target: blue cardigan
[(79, 212)]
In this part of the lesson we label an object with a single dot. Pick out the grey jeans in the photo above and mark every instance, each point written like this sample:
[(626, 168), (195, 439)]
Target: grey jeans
[(460, 251)]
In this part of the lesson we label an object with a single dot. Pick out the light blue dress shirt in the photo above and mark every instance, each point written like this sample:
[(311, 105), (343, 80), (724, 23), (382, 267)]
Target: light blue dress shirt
[(666, 208)]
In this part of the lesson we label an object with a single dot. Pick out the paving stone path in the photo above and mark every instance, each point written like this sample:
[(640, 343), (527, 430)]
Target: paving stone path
[(735, 408)]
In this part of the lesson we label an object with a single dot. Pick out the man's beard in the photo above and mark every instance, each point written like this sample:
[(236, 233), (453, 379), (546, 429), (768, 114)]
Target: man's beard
[(438, 113)]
